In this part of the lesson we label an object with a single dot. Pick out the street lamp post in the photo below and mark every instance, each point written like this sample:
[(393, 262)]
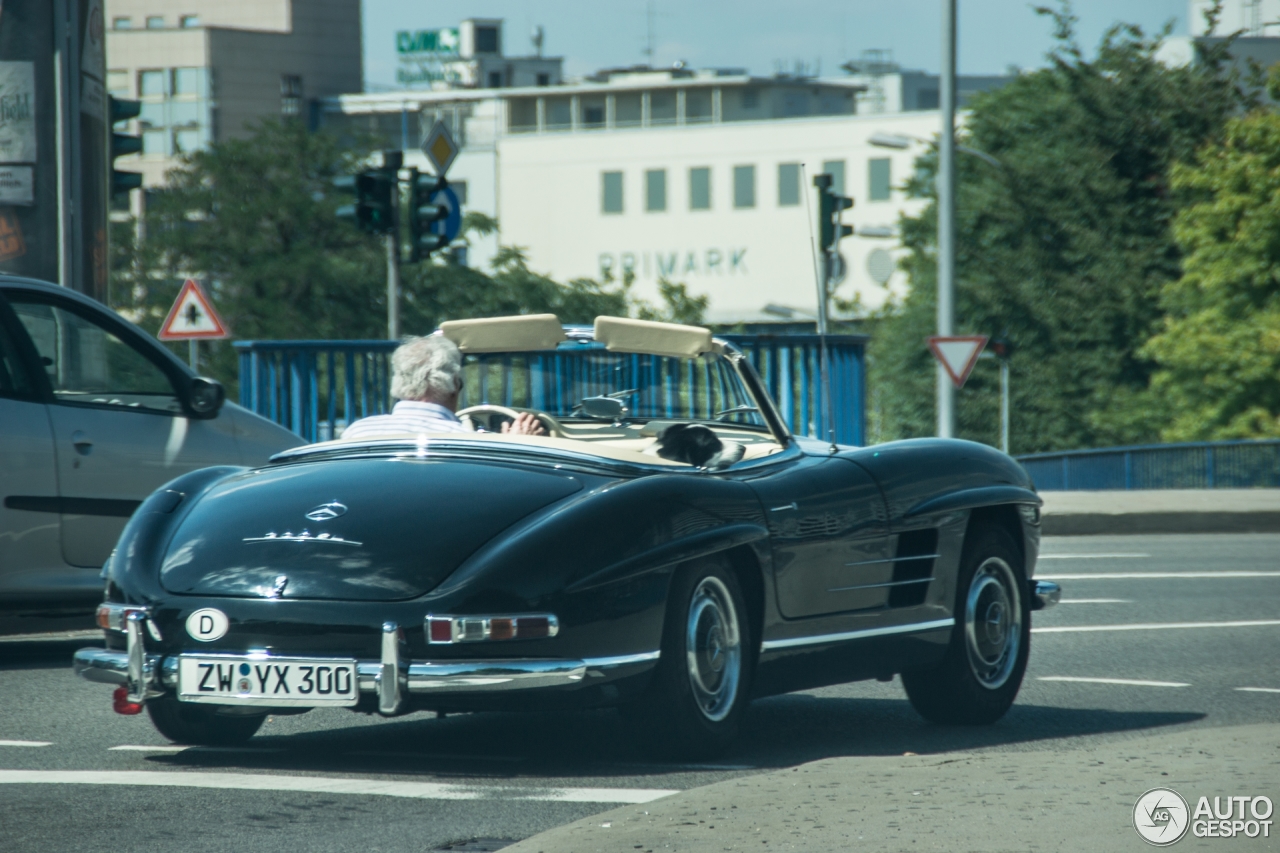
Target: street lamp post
[(947, 215)]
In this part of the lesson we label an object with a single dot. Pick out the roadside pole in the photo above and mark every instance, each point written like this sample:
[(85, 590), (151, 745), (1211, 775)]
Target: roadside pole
[(393, 286), (1004, 405), (193, 354), (947, 215)]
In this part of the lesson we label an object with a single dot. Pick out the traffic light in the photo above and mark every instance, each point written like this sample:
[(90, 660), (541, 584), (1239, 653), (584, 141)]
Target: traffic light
[(1002, 347), (122, 144), (423, 214), (376, 192), (830, 207)]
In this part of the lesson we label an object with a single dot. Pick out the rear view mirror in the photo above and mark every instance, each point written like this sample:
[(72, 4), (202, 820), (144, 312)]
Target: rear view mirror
[(604, 408), (205, 397)]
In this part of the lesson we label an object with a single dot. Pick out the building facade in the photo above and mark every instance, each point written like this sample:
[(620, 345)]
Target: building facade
[(703, 178), (205, 69)]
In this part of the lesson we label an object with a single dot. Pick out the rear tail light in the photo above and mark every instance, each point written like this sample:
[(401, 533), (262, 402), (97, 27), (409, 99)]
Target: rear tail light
[(472, 629), (121, 705), (113, 617)]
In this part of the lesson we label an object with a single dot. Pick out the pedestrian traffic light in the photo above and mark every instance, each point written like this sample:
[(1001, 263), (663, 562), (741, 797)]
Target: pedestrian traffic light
[(830, 208), (423, 213), (376, 192), (122, 144)]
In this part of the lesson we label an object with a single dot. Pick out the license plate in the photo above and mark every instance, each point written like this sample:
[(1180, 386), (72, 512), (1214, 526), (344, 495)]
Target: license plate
[(284, 682)]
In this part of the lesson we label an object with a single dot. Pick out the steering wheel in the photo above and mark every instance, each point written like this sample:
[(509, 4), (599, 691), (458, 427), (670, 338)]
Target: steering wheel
[(490, 417)]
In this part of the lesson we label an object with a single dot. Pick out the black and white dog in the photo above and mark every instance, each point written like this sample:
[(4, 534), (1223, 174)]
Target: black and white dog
[(697, 445)]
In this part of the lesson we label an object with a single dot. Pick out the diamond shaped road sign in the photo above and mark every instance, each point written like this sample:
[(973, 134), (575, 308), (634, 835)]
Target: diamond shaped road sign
[(440, 148), (957, 355)]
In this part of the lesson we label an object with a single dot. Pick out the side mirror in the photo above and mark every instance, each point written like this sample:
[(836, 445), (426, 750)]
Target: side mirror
[(605, 408), (205, 397)]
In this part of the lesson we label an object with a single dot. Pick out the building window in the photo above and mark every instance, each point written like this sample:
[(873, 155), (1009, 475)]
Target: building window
[(151, 84), (152, 114), (744, 186), (486, 40), (835, 168), (593, 112), (155, 22), (788, 184), (186, 81), (188, 22), (495, 79), (700, 188), (927, 99), (121, 23), (750, 99), (118, 83), (655, 190), (186, 141), (290, 94), (611, 192), (544, 79), (878, 179), (155, 142)]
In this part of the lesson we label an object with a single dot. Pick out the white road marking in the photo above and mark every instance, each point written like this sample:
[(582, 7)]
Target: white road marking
[(440, 756), (26, 743), (329, 785), (1259, 689), (1154, 626), (1128, 681), (1095, 601), (1091, 556), (1154, 575), (133, 747)]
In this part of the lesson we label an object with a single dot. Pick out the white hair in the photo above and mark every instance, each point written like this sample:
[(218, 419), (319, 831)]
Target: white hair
[(428, 368)]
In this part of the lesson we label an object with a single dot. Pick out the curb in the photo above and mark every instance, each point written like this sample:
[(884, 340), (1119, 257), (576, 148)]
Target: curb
[(1099, 523)]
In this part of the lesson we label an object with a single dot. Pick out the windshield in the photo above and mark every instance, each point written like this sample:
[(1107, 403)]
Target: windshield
[(706, 388)]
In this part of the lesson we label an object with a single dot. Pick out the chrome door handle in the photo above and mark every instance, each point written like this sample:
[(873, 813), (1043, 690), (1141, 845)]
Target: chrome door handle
[(81, 443)]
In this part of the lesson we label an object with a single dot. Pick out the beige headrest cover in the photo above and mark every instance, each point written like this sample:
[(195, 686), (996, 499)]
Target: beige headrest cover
[(505, 334), (622, 334)]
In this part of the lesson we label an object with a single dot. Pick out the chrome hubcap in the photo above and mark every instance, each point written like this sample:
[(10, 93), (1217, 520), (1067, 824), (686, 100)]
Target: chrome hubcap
[(993, 623), (713, 649)]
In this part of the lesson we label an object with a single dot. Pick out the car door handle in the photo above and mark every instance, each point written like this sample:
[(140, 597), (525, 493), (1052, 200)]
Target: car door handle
[(81, 443), (791, 505)]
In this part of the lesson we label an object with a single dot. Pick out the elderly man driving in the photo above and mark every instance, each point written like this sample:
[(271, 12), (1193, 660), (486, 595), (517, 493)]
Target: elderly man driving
[(426, 379)]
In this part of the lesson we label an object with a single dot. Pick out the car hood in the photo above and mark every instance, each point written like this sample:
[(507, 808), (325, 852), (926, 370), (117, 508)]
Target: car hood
[(362, 530)]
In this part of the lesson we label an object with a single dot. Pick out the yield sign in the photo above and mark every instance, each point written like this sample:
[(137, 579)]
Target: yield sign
[(192, 317), (957, 355)]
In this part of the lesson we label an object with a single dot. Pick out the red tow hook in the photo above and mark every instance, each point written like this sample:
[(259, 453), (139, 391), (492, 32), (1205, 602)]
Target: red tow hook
[(121, 705)]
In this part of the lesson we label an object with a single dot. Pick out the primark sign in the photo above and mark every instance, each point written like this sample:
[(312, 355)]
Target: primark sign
[(676, 264)]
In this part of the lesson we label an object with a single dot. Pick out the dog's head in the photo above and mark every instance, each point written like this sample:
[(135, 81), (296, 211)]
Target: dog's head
[(697, 445)]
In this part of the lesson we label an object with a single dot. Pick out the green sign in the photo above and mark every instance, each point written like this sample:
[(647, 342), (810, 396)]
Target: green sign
[(428, 41)]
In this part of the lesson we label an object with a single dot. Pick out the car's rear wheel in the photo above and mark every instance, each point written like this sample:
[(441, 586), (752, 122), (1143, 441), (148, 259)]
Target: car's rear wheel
[(980, 676), (700, 685), (200, 725)]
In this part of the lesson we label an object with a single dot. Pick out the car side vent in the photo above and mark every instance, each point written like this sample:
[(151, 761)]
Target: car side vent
[(913, 567)]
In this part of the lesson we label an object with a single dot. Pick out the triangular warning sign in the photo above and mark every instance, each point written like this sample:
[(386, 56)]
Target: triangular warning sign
[(192, 317), (957, 355)]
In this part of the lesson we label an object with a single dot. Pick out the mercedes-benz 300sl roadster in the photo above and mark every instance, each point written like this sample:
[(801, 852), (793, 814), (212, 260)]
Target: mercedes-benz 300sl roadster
[(667, 547)]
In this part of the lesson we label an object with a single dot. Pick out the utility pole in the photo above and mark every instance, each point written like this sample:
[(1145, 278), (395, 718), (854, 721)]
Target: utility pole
[(947, 215), (391, 163)]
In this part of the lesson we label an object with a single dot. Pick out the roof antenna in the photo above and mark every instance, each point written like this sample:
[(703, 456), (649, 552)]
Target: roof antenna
[(828, 403), (536, 37), (648, 45)]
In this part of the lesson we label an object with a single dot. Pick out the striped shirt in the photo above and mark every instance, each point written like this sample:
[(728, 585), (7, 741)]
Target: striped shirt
[(407, 417)]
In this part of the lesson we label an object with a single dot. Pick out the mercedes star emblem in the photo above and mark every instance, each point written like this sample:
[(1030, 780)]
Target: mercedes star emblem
[(324, 512)]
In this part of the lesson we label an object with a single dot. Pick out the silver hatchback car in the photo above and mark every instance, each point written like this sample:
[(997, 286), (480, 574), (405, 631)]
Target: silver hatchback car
[(94, 416)]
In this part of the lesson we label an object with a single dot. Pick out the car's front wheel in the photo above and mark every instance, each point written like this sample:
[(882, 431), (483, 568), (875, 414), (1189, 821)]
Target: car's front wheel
[(200, 725), (980, 676), (700, 685)]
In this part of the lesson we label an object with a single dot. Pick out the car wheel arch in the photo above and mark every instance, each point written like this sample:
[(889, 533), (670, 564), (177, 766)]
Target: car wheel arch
[(1004, 516)]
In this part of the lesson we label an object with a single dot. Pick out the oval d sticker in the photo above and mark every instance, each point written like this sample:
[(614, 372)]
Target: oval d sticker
[(208, 625)]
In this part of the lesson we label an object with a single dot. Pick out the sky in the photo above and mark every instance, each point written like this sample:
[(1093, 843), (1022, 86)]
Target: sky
[(760, 35)]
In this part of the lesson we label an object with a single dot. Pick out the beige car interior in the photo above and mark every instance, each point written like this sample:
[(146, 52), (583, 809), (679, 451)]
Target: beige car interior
[(627, 441)]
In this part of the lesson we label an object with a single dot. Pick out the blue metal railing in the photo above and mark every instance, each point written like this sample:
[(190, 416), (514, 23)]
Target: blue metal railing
[(1197, 465), (314, 388)]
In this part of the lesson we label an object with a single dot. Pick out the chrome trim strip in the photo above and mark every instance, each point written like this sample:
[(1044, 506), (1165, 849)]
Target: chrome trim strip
[(792, 505), (792, 642), (621, 660), (476, 676), (875, 585), (137, 673), (1044, 594), (895, 560), (389, 671)]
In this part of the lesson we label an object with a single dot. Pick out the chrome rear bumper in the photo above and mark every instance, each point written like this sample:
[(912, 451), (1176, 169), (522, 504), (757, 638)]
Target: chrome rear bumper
[(474, 676), (1044, 594)]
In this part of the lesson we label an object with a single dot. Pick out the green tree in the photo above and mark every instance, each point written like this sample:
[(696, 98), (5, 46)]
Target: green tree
[(1064, 247), (1218, 351)]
